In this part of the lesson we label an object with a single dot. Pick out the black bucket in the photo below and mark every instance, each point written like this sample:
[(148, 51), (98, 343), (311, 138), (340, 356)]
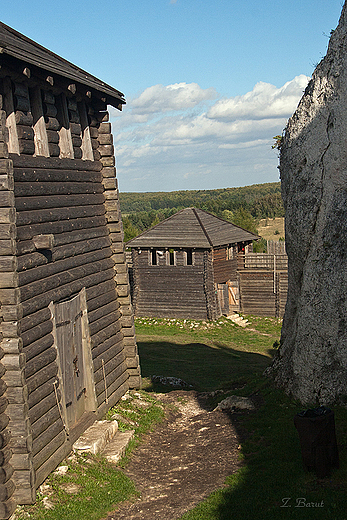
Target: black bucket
[(316, 429)]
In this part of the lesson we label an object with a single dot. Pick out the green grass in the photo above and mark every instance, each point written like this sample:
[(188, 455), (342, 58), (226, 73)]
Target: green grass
[(99, 485), (225, 356), (142, 419), (206, 355), (273, 470), (99, 489)]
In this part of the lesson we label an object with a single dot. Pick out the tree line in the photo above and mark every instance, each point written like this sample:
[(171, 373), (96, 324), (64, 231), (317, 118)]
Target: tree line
[(243, 206)]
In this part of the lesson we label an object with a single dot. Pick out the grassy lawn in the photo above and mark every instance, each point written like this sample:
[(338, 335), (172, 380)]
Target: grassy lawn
[(91, 487), (225, 356), (206, 355)]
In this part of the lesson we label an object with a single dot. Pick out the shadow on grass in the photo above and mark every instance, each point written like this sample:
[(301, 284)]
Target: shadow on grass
[(272, 483), (205, 368)]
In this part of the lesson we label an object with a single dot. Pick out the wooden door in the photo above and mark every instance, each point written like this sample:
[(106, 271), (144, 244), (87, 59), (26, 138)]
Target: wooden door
[(68, 324), (234, 296)]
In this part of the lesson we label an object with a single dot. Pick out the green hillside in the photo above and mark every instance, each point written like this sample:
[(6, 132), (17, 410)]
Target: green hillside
[(243, 206)]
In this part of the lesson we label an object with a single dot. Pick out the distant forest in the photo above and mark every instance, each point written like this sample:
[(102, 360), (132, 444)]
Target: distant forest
[(242, 206)]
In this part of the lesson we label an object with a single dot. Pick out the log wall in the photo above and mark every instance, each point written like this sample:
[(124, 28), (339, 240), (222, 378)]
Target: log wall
[(60, 232), (115, 228), (174, 291), (11, 372)]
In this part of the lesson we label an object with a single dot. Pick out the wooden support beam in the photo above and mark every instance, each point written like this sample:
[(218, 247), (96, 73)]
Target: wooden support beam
[(13, 144), (40, 132), (65, 140)]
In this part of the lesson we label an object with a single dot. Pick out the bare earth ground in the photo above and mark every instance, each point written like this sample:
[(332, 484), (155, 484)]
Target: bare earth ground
[(187, 457)]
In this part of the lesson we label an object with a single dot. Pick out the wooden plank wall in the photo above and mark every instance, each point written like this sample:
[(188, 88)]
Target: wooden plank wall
[(224, 269), (258, 294), (173, 291), (9, 340)]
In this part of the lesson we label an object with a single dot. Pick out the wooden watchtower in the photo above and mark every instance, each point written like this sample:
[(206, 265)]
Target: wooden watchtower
[(178, 264), (68, 349)]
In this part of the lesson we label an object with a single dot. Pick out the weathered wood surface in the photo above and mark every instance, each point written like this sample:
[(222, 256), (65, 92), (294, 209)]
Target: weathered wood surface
[(55, 214), (42, 391), (41, 301), (49, 449), (42, 407), (74, 268), (6, 490), (261, 294), (223, 268), (53, 198), (33, 203), (41, 360), (37, 332), (41, 376), (49, 189), (45, 421), (62, 228), (47, 163)]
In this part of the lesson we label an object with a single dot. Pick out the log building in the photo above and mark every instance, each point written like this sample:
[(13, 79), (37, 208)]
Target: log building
[(68, 349), (178, 263)]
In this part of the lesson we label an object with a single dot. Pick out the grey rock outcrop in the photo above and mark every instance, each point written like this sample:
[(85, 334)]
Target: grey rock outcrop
[(311, 362), (235, 403)]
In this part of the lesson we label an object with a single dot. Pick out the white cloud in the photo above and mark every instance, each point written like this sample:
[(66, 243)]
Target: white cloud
[(184, 137), (179, 96), (264, 101)]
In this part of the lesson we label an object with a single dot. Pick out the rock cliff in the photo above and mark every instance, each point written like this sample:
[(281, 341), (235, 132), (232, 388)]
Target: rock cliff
[(311, 363)]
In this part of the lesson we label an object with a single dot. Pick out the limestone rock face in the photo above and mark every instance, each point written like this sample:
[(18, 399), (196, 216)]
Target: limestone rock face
[(312, 360)]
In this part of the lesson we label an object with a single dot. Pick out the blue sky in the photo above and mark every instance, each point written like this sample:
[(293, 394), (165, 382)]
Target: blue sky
[(208, 84)]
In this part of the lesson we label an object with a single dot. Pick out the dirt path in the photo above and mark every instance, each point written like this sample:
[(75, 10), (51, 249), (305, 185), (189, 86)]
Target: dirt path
[(181, 462)]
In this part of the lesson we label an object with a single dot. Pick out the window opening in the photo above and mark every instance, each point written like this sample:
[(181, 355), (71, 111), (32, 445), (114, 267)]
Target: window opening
[(230, 253), (171, 257), (154, 257), (189, 254)]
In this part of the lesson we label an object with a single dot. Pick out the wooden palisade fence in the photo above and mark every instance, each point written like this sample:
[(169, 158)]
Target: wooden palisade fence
[(263, 283)]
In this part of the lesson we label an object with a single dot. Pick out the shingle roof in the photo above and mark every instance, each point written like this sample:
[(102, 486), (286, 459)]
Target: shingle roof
[(192, 228), (19, 46)]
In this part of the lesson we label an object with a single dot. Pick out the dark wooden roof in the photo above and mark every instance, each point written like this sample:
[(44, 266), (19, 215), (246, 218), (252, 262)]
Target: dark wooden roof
[(19, 46), (192, 228)]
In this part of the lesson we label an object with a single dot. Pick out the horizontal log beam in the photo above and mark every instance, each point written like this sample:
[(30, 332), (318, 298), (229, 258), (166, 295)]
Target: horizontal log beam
[(49, 449), (40, 361), (57, 201), (45, 421), (67, 271), (56, 228), (55, 214), (37, 347), (47, 435), (29, 264), (37, 332), (47, 163), (34, 320), (64, 291), (41, 376), (50, 189)]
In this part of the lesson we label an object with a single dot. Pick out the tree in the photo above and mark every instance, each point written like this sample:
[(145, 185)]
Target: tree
[(244, 219)]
